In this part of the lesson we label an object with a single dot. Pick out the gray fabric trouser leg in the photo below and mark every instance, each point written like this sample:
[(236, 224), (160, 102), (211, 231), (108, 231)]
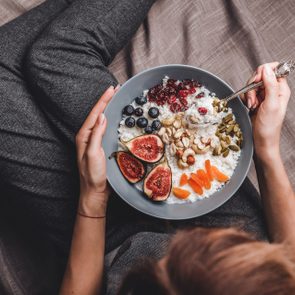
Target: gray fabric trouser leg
[(66, 68), (28, 263)]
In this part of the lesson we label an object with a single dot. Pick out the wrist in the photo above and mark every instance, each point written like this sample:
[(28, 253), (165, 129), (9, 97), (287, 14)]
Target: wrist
[(267, 156), (93, 204)]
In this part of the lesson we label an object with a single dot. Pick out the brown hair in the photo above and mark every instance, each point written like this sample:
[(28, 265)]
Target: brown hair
[(214, 261)]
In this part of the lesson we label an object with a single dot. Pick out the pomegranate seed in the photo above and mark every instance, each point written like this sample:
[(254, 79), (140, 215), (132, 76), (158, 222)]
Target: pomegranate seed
[(202, 110), (200, 95), (171, 99), (192, 90), (183, 93)]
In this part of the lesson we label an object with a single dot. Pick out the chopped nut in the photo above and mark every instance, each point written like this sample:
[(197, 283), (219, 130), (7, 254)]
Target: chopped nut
[(178, 133), (177, 124), (185, 141), (186, 153), (179, 144), (162, 131), (179, 153), (190, 160), (168, 121), (181, 164)]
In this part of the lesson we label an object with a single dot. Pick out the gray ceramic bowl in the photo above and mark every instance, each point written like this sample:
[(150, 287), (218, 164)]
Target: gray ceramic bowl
[(133, 88)]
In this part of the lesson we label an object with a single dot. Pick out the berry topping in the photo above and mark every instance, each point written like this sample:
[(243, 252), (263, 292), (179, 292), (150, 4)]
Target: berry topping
[(200, 95), (202, 110), (128, 110), (173, 93), (153, 112), (141, 100), (156, 125), (130, 122), (142, 122), (148, 129), (138, 112)]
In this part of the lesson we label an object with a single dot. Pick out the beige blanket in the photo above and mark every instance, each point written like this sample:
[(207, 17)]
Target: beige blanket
[(227, 37)]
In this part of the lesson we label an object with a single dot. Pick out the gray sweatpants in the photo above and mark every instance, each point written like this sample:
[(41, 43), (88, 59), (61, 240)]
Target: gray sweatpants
[(53, 69)]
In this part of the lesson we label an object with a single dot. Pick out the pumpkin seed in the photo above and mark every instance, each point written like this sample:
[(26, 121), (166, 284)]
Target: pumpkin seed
[(222, 129), (229, 129), (227, 139), (234, 147), (225, 154), (236, 128), (223, 144)]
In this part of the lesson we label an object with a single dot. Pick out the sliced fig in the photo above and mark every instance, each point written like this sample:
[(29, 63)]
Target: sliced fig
[(148, 148), (157, 184), (131, 168)]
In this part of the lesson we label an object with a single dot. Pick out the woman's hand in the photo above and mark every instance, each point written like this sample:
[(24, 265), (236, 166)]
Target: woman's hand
[(269, 105), (91, 159)]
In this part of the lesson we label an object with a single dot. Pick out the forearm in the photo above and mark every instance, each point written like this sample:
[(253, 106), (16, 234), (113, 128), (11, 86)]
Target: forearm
[(84, 271), (277, 197)]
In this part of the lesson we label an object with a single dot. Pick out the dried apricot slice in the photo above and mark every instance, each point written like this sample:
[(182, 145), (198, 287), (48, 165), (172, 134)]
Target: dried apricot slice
[(218, 175), (195, 186), (196, 179), (183, 179), (180, 193), (204, 177), (208, 169)]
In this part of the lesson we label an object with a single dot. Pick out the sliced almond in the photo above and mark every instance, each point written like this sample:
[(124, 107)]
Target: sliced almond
[(177, 124), (168, 121), (185, 141), (162, 131)]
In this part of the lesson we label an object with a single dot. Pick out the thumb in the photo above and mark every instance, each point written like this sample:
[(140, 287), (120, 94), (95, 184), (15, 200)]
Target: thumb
[(270, 83)]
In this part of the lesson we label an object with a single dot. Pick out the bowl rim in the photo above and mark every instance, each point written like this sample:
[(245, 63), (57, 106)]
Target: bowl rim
[(242, 179)]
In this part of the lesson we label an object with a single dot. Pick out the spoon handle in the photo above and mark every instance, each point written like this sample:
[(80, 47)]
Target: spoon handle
[(243, 90), (282, 70)]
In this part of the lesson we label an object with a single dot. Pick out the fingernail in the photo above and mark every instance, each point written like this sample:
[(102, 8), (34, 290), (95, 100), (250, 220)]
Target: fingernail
[(102, 118), (249, 104), (118, 87)]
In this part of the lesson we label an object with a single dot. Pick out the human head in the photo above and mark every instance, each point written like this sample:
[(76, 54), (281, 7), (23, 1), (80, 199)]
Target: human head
[(214, 261)]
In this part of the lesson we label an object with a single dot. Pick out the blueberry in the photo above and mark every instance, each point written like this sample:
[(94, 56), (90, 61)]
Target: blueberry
[(128, 110), (153, 112), (156, 125), (141, 100), (138, 112), (148, 129), (142, 122), (130, 122)]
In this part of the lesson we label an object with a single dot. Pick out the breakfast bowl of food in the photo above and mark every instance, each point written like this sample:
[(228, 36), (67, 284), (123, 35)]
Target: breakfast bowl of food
[(175, 149)]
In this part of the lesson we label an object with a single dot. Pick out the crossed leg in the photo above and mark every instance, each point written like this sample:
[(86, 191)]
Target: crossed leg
[(67, 69)]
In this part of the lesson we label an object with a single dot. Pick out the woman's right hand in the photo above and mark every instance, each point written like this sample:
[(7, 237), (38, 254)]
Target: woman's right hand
[(269, 105)]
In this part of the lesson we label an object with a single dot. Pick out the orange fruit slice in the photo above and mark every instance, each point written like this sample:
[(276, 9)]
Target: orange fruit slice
[(180, 193), (218, 175), (208, 169), (183, 179), (196, 179), (204, 177), (197, 189)]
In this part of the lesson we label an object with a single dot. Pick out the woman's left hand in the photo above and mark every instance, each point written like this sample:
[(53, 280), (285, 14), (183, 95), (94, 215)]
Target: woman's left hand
[(91, 159)]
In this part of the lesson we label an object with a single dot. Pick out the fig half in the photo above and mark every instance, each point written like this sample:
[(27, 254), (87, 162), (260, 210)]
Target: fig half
[(131, 168), (157, 184), (147, 148)]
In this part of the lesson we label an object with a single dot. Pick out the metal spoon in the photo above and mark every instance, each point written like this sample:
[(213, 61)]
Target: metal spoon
[(282, 70)]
